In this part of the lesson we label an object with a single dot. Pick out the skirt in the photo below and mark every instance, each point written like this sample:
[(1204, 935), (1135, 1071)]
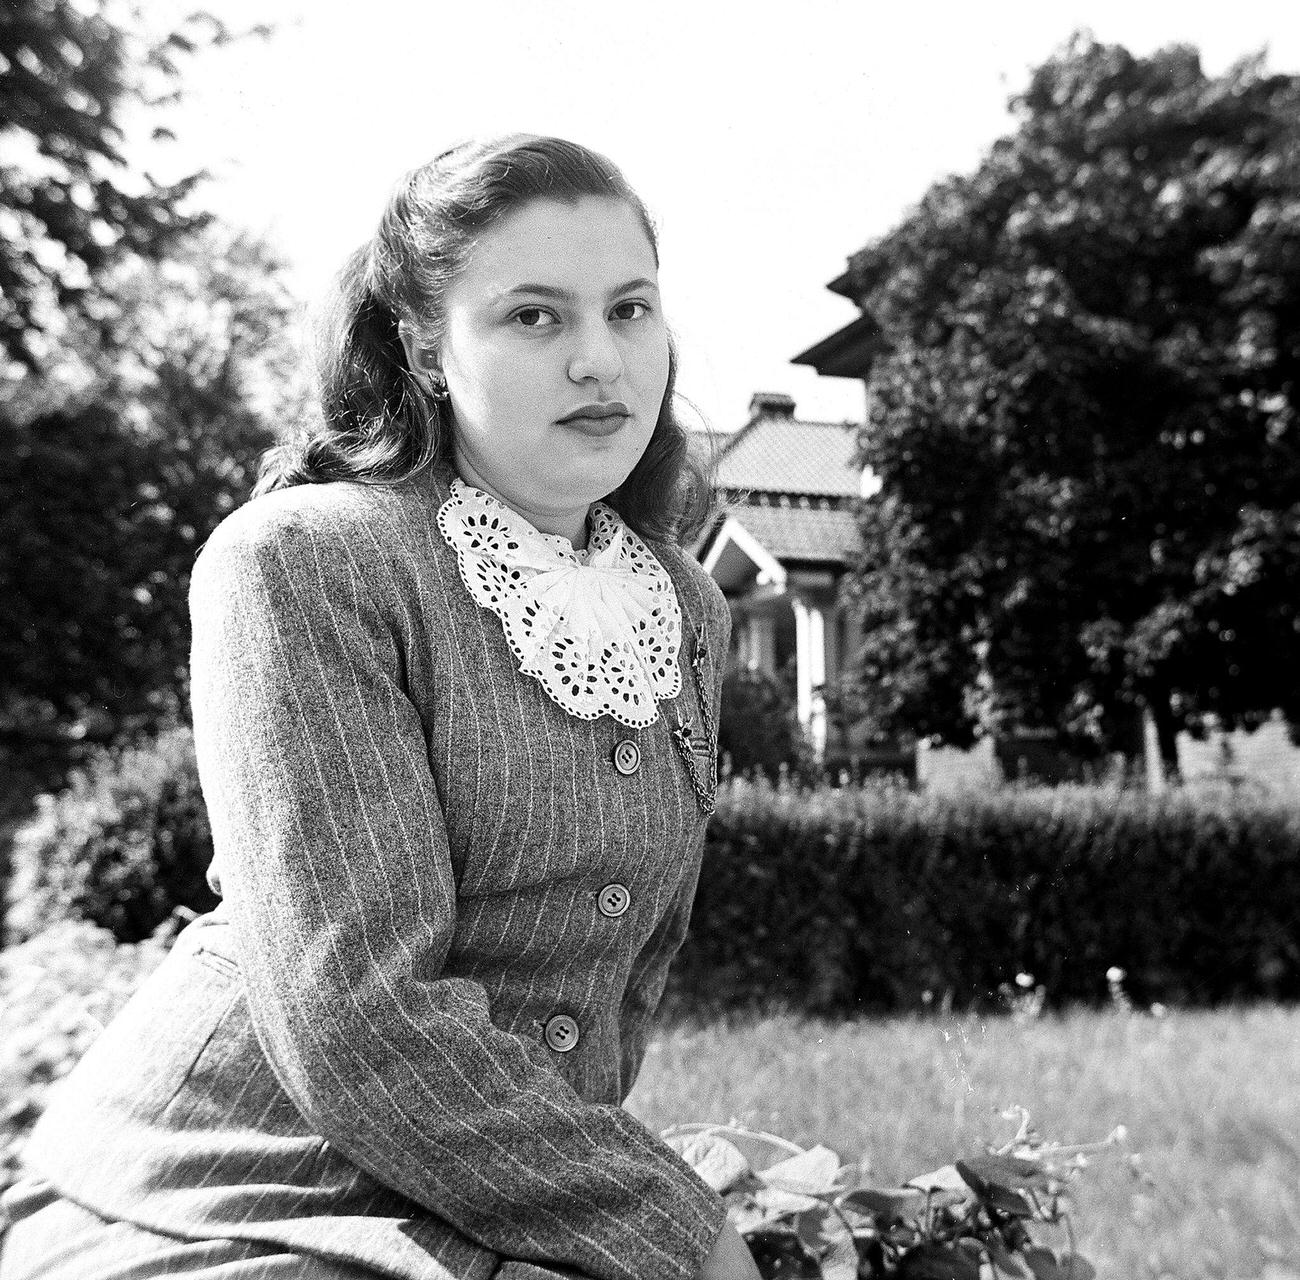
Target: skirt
[(50, 1238)]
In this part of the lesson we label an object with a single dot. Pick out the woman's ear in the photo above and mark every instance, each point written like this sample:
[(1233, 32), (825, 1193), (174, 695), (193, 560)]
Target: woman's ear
[(420, 359)]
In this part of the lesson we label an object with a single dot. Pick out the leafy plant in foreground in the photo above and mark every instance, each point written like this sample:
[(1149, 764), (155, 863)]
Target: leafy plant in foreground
[(809, 1216)]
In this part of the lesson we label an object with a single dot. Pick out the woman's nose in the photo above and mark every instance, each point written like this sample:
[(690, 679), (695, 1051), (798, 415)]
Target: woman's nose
[(595, 355)]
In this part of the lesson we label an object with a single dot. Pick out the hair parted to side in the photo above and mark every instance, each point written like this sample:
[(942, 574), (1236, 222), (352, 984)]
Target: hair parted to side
[(377, 424)]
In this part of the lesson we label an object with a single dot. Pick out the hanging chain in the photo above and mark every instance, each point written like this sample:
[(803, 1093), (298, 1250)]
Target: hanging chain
[(683, 735)]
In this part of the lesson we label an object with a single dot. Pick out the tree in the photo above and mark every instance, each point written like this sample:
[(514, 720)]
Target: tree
[(117, 473), (145, 358), (1084, 415), (71, 206)]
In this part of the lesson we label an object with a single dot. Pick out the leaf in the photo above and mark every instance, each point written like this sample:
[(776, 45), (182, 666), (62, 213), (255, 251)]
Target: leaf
[(1001, 1198), (716, 1160), (827, 1237), (893, 1205), (1041, 1261), (746, 1216), (902, 1236), (1074, 1267), (1009, 1171), (945, 1179), (946, 1187), (940, 1262), (766, 1210), (1006, 1266), (776, 1201), (811, 1173), (1045, 1265)]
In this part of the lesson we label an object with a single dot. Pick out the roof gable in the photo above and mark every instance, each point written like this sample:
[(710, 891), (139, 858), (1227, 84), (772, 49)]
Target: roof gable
[(811, 535), (781, 454)]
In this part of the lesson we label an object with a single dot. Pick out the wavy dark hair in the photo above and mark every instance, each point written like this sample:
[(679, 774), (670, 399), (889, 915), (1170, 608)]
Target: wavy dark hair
[(377, 424)]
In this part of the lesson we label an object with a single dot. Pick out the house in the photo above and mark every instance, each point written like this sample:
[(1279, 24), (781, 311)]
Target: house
[(848, 352), (784, 541)]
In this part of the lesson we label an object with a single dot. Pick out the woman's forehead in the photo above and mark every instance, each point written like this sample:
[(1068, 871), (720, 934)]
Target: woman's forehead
[(593, 244)]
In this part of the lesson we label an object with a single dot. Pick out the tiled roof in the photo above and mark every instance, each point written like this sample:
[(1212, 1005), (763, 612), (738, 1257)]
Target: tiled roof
[(785, 455), (824, 536)]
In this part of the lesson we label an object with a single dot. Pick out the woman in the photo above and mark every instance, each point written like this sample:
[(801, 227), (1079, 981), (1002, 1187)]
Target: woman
[(454, 689)]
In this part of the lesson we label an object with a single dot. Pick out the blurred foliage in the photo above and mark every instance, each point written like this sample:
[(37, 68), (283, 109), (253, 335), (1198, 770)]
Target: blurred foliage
[(147, 357), (118, 471), (57, 992), (1083, 413), (123, 846), (72, 207), (759, 730), (871, 899)]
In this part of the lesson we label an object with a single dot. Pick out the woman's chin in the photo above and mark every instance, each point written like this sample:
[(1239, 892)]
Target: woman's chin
[(590, 483)]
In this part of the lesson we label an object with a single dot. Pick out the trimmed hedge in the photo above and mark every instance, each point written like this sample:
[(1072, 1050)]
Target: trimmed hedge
[(883, 899), (122, 846)]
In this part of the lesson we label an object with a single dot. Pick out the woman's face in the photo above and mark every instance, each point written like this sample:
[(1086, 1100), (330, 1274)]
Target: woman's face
[(555, 356)]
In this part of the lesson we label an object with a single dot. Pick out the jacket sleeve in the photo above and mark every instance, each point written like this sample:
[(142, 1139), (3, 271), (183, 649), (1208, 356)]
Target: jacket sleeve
[(334, 863)]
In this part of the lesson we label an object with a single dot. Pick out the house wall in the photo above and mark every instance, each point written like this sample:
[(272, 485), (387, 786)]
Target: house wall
[(950, 769), (1264, 762)]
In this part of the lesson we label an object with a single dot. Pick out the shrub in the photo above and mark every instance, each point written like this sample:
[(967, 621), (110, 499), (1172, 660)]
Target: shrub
[(122, 846), (823, 899), (57, 992), (876, 898), (759, 731)]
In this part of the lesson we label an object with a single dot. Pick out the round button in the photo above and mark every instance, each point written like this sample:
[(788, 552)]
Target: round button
[(561, 1033), (613, 900), (627, 757)]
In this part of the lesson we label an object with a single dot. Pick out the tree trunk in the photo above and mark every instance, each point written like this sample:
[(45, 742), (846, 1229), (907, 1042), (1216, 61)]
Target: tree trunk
[(1127, 745), (1163, 770)]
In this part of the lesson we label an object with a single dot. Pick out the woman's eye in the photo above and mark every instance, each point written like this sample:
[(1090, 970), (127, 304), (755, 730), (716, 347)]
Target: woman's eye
[(630, 310), (534, 317)]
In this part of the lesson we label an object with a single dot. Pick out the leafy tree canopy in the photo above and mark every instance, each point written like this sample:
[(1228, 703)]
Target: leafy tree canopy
[(118, 471), (1084, 413), (146, 358), (77, 80)]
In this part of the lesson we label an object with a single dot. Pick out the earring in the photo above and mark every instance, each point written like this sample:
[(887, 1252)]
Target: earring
[(438, 389)]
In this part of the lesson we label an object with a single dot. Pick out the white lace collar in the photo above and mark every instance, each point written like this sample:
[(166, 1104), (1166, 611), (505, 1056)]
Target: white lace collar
[(600, 629)]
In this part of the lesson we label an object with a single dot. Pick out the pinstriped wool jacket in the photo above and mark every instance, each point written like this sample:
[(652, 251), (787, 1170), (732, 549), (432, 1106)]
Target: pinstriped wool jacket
[(348, 1057)]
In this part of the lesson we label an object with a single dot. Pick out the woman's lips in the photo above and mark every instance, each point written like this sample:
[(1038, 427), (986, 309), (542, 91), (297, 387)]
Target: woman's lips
[(597, 419), (596, 426)]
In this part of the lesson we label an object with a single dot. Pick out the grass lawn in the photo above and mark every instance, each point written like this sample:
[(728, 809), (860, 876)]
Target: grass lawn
[(1210, 1100)]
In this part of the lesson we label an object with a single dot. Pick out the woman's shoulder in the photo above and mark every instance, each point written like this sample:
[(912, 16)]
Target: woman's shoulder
[(367, 519)]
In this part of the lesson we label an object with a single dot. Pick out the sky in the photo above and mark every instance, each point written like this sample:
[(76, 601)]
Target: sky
[(770, 141)]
